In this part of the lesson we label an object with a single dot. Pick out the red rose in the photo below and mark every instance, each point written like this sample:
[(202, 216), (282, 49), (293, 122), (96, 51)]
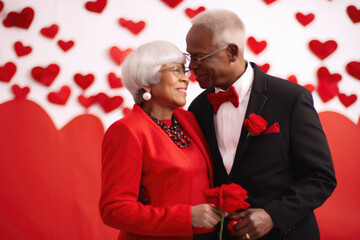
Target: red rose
[(255, 124)]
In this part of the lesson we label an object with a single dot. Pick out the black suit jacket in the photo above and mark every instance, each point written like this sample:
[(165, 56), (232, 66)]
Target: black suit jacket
[(289, 173)]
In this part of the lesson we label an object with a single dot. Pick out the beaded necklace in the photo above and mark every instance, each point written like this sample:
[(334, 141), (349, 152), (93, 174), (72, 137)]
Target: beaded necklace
[(174, 131)]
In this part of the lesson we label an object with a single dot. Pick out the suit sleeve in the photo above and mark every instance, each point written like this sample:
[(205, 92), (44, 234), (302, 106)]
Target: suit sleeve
[(311, 163), (121, 177)]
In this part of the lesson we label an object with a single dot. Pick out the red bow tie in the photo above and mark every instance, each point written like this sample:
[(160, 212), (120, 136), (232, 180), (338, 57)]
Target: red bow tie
[(216, 99)]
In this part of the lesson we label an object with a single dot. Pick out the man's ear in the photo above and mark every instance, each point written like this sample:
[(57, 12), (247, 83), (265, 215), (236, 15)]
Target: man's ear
[(233, 52)]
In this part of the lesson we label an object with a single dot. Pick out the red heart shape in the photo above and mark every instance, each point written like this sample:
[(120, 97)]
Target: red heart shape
[(65, 46), (84, 81), (327, 86), (322, 50), (353, 13), (192, 13), (60, 97), (107, 103), (255, 46), (119, 56), (86, 102), (347, 100), (21, 20), (309, 87), (97, 6), (353, 68), (135, 28), (46, 75), (114, 81), (304, 19), (192, 77), (7, 72), (50, 32), (268, 2), (21, 50), (265, 67), (1, 6), (172, 3), (126, 111), (292, 78), (20, 93)]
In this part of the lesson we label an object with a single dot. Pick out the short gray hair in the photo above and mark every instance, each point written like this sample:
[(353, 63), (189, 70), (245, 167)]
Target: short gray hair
[(140, 68), (225, 25)]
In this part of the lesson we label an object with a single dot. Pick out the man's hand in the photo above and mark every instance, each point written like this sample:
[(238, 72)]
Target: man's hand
[(254, 223)]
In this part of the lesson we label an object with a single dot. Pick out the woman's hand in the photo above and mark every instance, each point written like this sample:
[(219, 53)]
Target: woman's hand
[(203, 215)]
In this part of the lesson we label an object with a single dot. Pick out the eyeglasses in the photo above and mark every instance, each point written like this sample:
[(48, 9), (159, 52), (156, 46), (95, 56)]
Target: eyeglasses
[(198, 60), (178, 71)]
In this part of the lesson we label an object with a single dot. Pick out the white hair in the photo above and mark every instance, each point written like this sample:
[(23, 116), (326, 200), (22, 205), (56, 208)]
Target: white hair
[(225, 25), (140, 68)]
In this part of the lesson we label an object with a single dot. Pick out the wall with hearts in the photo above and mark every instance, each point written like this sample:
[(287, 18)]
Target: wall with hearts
[(60, 88)]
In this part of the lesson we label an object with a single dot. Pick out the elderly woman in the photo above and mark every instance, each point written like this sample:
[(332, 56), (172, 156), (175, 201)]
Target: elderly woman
[(155, 160)]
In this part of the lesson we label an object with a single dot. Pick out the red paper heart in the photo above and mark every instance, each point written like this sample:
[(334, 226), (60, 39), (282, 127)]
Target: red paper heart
[(107, 103), (7, 72), (86, 102), (60, 97), (347, 100), (192, 13), (21, 20), (50, 32), (255, 46), (119, 56), (353, 13), (328, 84), (304, 19), (265, 67), (192, 77), (172, 3), (114, 81), (322, 50), (135, 28), (65, 46), (309, 87), (292, 78), (97, 6), (20, 93), (269, 1), (126, 111), (1, 6), (353, 68), (84, 81), (46, 75), (21, 50)]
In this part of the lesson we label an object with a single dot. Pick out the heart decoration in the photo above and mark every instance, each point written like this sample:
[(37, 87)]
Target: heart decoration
[(268, 2), (135, 28), (1, 6), (309, 87), (353, 68), (107, 103), (322, 50), (21, 50), (126, 111), (60, 97), (304, 19), (84, 81), (353, 13), (119, 56), (7, 72), (21, 20), (97, 6), (292, 78), (328, 84), (50, 32), (265, 67), (347, 100), (192, 13), (20, 93), (65, 46), (255, 46), (114, 81), (86, 102), (192, 77), (172, 3), (46, 75)]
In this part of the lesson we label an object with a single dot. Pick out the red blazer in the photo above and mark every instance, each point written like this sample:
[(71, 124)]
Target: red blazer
[(136, 152)]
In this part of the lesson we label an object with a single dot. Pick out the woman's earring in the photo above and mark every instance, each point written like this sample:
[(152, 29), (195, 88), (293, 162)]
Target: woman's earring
[(147, 96)]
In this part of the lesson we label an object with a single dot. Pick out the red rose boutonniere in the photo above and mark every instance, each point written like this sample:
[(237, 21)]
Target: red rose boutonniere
[(227, 198), (256, 125)]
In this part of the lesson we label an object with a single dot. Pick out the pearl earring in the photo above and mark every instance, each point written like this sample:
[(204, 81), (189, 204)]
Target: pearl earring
[(146, 96)]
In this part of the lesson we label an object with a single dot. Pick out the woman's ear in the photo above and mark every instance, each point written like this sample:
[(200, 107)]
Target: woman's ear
[(147, 89), (233, 52)]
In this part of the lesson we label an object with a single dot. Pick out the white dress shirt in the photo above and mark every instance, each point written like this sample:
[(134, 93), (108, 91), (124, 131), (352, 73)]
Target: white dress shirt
[(229, 120)]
